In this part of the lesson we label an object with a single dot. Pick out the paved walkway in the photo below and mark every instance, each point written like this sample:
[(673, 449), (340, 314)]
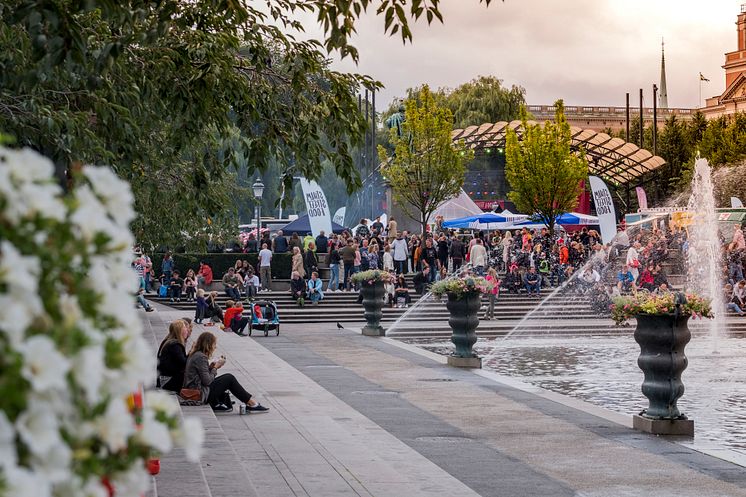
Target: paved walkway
[(358, 416)]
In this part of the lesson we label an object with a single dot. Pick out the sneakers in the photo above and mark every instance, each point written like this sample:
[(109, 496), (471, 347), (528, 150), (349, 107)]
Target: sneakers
[(256, 409), (222, 408), (149, 309)]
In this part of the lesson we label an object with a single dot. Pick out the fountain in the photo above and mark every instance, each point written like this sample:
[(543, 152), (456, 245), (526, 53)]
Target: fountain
[(704, 257)]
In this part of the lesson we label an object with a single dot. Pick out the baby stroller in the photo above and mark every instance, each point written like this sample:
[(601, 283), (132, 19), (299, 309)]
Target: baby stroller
[(264, 316)]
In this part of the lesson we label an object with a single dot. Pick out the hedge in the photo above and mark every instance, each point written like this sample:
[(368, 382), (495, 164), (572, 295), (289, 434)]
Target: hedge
[(281, 263)]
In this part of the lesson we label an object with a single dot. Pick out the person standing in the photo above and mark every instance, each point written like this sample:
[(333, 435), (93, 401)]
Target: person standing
[(399, 247), (280, 243), (297, 264), (456, 251), (430, 256), (167, 266), (391, 230), (265, 267), (377, 226), (332, 259), (478, 257), (633, 260), (347, 254), (492, 295), (322, 243), (147, 271)]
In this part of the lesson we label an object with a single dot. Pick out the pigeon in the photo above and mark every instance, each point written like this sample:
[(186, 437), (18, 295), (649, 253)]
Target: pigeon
[(339, 326)]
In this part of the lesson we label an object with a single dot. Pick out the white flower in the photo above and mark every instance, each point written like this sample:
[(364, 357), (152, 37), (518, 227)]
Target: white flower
[(18, 314), (132, 483), (89, 371), (69, 309), (19, 271), (75, 487), (116, 425), (90, 217), (28, 186), (115, 193), (43, 365), (38, 428), (54, 466), (8, 455), (159, 401), (154, 433), (20, 482), (191, 436), (139, 367)]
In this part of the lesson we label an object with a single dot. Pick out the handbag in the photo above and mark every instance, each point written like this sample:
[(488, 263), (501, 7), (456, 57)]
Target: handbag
[(163, 291), (191, 394)]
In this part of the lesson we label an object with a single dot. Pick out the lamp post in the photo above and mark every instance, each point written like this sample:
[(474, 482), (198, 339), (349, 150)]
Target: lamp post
[(258, 188)]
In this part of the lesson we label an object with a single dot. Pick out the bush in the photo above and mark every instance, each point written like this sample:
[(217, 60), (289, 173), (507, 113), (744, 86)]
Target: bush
[(220, 263)]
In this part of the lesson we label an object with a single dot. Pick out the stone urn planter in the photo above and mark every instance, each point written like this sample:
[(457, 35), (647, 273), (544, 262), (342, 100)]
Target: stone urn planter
[(463, 320), (662, 339), (373, 303)]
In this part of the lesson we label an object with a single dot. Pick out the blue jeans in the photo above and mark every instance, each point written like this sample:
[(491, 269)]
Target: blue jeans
[(349, 269), (533, 287), (732, 306), (145, 305), (334, 279), (232, 293), (401, 266)]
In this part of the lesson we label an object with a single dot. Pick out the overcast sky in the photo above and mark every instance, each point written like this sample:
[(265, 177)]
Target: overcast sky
[(589, 52)]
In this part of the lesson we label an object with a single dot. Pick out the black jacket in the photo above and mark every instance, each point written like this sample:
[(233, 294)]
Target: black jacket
[(172, 360)]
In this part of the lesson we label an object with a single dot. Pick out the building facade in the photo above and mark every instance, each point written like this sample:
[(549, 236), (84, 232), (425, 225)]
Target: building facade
[(733, 99)]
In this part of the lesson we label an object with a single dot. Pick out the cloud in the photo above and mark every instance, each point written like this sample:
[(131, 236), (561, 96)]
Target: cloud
[(589, 52)]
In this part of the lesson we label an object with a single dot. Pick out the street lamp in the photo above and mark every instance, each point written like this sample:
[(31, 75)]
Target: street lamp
[(258, 188)]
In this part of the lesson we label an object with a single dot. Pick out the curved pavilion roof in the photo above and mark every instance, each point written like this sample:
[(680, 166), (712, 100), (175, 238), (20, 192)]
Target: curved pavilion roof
[(614, 159)]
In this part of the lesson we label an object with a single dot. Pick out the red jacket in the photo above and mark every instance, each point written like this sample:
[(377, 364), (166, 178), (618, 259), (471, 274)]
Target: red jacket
[(230, 313), (206, 272), (564, 254)]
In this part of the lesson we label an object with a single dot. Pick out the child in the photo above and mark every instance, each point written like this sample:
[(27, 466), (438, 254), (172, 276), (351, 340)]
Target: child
[(201, 310)]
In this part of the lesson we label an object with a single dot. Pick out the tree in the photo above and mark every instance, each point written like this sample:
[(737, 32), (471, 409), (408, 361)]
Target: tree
[(484, 100), (427, 167), (174, 95), (544, 174)]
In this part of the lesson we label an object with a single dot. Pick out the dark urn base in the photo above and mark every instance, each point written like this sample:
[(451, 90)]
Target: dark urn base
[(463, 320), (662, 339), (373, 303)]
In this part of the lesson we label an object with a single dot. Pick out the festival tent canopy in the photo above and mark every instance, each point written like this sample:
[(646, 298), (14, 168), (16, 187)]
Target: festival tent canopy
[(458, 207), (303, 226), (566, 219), (485, 221)]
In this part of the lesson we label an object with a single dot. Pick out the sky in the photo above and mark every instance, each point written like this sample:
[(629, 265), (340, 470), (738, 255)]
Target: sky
[(588, 52)]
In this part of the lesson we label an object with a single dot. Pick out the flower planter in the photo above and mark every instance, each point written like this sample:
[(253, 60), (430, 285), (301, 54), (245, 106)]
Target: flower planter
[(373, 303), (463, 320), (662, 339)]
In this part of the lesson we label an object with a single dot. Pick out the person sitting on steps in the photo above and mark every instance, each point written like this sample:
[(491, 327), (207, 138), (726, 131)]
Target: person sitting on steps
[(315, 288), (298, 288), (234, 319), (172, 356), (201, 374)]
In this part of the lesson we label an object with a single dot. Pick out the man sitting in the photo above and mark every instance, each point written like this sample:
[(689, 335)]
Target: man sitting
[(513, 279), (230, 282), (315, 288), (175, 286), (251, 284), (298, 288), (532, 282), (625, 280)]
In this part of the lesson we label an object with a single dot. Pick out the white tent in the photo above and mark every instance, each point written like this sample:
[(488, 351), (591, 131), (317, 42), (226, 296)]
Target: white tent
[(461, 206)]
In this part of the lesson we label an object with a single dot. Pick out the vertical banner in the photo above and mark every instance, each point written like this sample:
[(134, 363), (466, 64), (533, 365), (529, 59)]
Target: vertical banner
[(604, 208), (339, 216), (642, 198), (319, 216), (736, 203)]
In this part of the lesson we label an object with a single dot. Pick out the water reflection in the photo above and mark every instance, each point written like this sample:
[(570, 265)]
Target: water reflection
[(603, 371)]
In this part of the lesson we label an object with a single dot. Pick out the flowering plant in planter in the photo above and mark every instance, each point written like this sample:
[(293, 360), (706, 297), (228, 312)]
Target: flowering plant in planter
[(71, 343), (644, 302), (373, 275), (460, 286)]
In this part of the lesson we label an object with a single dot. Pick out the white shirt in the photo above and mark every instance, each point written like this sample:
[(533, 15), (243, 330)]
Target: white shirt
[(632, 255), (478, 255), (265, 256), (254, 280), (399, 246), (388, 261)]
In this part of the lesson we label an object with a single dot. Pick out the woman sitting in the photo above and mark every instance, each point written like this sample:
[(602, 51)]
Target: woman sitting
[(190, 285), (201, 311), (202, 375), (213, 312), (298, 288), (172, 356), (315, 288), (234, 319), (388, 293), (401, 292)]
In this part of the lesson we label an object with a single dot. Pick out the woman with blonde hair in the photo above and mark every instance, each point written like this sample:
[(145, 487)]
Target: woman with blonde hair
[(172, 356), (297, 264), (190, 284), (495, 281), (202, 375)]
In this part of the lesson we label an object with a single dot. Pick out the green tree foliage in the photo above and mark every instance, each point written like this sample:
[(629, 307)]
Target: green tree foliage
[(544, 174), (484, 100), (427, 167), (175, 95)]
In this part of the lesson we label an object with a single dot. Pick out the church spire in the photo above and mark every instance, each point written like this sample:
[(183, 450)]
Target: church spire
[(663, 98)]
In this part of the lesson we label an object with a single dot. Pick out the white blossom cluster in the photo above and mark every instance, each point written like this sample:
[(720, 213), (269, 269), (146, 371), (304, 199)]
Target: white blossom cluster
[(71, 344)]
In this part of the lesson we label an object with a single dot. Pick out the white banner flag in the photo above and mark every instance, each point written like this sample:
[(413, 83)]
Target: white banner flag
[(736, 203), (642, 198), (604, 208), (339, 216), (319, 216)]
